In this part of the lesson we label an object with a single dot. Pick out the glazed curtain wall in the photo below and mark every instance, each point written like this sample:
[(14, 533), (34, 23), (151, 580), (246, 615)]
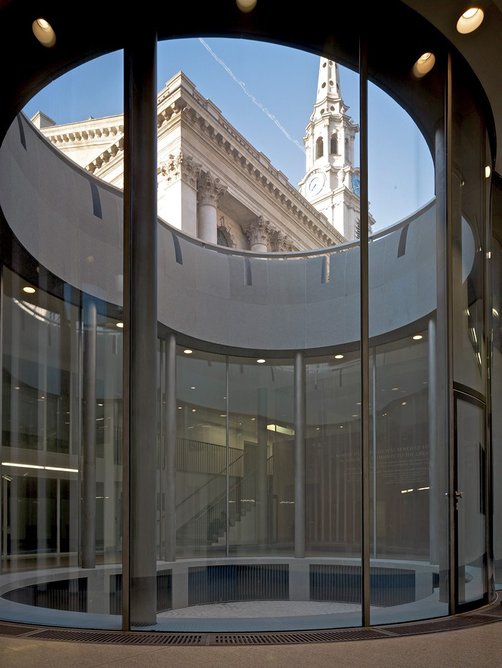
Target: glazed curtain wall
[(355, 476)]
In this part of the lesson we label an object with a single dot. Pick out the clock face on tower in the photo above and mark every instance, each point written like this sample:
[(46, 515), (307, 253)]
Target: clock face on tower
[(315, 184)]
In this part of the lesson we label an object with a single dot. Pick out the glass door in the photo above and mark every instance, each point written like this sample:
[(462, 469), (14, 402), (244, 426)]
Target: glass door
[(470, 501)]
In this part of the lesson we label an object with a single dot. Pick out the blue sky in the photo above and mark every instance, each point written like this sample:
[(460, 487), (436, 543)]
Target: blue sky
[(266, 91)]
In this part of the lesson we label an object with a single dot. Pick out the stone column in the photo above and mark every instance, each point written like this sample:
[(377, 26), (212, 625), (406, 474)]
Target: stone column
[(210, 189), (177, 192), (259, 235)]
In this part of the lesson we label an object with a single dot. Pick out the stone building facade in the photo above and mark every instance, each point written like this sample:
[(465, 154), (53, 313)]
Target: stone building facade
[(214, 185)]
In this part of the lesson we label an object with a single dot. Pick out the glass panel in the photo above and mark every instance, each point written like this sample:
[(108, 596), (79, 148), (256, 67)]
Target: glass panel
[(409, 509), (470, 504), (201, 454), (496, 415), (61, 452), (333, 481), (261, 457), (469, 220)]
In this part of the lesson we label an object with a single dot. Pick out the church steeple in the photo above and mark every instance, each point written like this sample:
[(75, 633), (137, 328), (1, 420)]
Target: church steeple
[(331, 180), (328, 83)]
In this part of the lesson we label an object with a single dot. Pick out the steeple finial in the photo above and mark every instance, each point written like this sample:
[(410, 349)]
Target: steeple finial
[(328, 84)]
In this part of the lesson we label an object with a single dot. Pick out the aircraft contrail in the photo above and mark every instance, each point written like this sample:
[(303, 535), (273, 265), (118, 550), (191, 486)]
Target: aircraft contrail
[(253, 99)]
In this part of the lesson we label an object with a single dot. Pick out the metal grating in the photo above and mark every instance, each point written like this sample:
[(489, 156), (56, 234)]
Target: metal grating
[(121, 638), (433, 626), (489, 615), (7, 630), (288, 638)]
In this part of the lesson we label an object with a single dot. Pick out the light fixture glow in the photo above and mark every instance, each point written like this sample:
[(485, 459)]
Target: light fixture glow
[(488, 171), (339, 356), (38, 467), (281, 430), (418, 337), (194, 410), (395, 389), (29, 290), (120, 325), (421, 489), (424, 64), (403, 403), (260, 361), (470, 20), (246, 6), (187, 351), (22, 466), (44, 32)]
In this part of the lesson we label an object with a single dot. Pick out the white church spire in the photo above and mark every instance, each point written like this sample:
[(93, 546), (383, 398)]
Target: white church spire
[(328, 83), (331, 182)]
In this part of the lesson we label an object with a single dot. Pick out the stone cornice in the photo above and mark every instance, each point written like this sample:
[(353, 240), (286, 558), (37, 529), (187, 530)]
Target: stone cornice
[(98, 130)]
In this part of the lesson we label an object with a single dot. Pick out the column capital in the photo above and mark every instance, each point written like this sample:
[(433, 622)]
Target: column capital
[(180, 166), (209, 189), (259, 233), (280, 242)]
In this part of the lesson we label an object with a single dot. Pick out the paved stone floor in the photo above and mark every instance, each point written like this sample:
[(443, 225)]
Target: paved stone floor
[(479, 647)]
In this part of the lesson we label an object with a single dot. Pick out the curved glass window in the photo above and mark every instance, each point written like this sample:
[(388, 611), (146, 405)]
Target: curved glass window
[(320, 319)]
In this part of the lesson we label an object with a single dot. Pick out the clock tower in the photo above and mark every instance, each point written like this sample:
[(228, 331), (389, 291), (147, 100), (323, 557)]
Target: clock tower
[(331, 182)]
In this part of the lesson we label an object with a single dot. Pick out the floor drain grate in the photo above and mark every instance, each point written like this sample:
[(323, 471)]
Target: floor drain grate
[(8, 630), (488, 615)]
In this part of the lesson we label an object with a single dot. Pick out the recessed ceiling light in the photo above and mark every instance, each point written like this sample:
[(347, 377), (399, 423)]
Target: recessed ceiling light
[(44, 32), (424, 64), (187, 351), (246, 6), (395, 389), (470, 20), (179, 408), (418, 337), (29, 290), (339, 356), (120, 325), (488, 171), (192, 387), (194, 410), (403, 403), (260, 361)]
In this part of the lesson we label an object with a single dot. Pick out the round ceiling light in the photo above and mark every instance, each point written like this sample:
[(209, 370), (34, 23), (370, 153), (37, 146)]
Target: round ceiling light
[(44, 32), (246, 6), (470, 20), (424, 64), (29, 290)]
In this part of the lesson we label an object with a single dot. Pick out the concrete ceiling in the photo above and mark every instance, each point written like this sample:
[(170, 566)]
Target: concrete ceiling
[(482, 49)]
